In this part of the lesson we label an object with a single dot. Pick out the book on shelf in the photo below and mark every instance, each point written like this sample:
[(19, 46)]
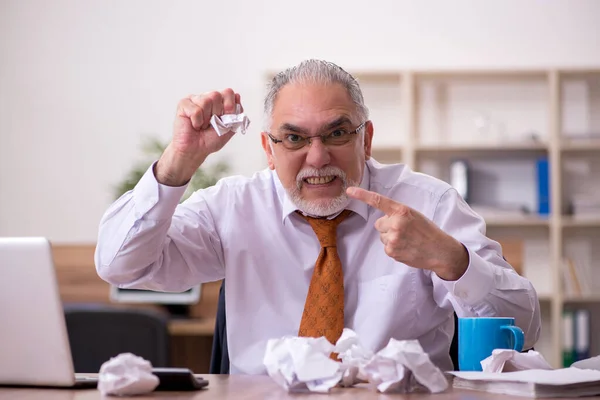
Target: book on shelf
[(576, 336), (580, 136), (577, 278), (543, 185), (585, 205), (568, 346)]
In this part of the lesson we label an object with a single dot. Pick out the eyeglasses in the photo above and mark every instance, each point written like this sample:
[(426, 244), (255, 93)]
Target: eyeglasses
[(337, 137)]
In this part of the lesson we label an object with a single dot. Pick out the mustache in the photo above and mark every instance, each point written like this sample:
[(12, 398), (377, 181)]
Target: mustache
[(314, 172)]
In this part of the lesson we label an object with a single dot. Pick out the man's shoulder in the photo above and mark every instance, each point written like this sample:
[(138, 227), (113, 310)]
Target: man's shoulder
[(257, 184), (259, 180)]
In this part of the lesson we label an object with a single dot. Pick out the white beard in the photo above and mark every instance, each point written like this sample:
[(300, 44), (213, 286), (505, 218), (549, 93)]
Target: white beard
[(322, 207)]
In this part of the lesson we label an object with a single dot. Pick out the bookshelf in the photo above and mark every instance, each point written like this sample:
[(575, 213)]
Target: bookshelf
[(426, 118), (534, 113)]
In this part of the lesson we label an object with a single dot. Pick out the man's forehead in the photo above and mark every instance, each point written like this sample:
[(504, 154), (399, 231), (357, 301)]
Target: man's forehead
[(312, 94), (315, 103)]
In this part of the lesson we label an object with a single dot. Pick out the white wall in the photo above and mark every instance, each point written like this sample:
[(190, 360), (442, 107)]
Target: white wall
[(81, 82)]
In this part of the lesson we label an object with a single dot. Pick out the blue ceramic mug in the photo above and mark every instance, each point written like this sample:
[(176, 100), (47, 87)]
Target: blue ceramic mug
[(478, 337)]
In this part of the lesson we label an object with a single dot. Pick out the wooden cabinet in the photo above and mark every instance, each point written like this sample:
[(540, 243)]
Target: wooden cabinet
[(191, 339)]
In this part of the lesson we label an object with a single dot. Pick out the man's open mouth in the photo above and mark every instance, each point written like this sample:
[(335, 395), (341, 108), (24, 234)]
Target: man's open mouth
[(320, 180)]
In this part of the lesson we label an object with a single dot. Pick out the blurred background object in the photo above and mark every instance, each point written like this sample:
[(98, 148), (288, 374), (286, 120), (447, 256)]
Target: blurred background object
[(152, 148)]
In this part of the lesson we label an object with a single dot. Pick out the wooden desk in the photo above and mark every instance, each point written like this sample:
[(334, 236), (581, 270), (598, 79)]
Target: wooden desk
[(249, 387)]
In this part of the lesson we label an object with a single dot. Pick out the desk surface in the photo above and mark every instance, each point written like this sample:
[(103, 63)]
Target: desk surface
[(247, 387)]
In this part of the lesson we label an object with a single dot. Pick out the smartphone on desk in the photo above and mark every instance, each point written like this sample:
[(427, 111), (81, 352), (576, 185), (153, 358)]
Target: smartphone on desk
[(178, 379)]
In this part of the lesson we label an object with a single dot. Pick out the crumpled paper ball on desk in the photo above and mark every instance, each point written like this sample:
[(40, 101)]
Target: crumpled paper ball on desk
[(126, 375), (302, 363), (507, 360)]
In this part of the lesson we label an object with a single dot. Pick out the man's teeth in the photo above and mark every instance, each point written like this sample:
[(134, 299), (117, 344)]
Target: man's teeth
[(320, 180)]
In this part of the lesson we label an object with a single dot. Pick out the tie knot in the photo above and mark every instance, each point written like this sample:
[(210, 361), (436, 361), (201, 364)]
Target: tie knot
[(326, 229)]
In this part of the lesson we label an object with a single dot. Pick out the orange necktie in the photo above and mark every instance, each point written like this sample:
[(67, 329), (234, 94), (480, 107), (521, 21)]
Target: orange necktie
[(324, 308)]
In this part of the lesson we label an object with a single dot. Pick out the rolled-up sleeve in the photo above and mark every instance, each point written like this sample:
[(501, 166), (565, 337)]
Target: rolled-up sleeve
[(490, 287), (147, 240)]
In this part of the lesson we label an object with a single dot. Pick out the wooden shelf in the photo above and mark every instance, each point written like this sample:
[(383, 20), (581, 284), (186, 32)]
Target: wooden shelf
[(583, 145), (487, 74), (375, 75), (479, 148), (515, 221), (581, 221), (578, 72), (370, 75), (388, 154), (554, 145), (581, 299), (545, 298)]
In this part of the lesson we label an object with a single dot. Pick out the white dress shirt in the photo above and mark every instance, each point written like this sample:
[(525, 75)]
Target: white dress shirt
[(245, 230)]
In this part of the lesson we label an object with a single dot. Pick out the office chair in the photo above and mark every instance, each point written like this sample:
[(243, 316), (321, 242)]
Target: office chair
[(99, 332), (219, 361)]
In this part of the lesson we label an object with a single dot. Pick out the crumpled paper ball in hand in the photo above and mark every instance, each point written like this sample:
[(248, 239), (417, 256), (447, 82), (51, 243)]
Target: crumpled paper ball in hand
[(126, 375), (237, 122)]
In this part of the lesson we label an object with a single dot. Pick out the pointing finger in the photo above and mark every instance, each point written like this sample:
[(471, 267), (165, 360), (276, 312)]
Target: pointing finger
[(385, 204)]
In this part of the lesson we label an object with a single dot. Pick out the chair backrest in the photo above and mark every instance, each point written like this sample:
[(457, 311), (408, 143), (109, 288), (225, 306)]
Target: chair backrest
[(97, 333), (454, 344), (219, 360)]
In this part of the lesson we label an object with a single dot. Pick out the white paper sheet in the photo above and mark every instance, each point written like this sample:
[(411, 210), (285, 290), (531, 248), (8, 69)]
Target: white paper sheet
[(537, 383), (557, 377)]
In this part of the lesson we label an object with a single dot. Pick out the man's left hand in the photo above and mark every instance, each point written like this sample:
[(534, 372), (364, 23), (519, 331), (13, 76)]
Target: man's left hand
[(410, 238)]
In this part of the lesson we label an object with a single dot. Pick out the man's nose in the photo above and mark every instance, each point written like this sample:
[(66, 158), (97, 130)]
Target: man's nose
[(318, 154)]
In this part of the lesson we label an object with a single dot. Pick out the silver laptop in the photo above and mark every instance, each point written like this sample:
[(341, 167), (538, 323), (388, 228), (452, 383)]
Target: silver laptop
[(34, 345)]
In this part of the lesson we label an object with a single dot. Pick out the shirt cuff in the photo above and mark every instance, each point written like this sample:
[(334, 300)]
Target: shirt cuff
[(153, 200), (476, 282)]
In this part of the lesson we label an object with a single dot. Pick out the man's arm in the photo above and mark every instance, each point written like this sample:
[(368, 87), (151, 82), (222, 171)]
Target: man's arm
[(466, 267), (147, 241), (489, 287)]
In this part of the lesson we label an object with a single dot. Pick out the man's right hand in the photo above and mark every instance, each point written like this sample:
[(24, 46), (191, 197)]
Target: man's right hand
[(194, 139)]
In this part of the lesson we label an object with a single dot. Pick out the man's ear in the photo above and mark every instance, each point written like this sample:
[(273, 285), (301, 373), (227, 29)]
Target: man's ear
[(368, 139), (266, 145)]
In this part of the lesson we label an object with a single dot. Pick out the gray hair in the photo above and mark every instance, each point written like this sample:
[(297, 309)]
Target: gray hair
[(314, 71)]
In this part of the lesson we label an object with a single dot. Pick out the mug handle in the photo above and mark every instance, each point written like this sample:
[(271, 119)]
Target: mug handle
[(518, 336)]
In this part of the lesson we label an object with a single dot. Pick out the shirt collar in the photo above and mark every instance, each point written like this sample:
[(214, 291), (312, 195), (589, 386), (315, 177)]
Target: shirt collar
[(357, 206)]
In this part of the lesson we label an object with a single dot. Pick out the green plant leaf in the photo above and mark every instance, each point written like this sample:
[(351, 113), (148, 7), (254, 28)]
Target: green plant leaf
[(152, 148)]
